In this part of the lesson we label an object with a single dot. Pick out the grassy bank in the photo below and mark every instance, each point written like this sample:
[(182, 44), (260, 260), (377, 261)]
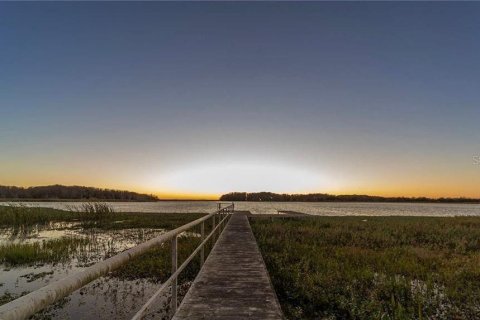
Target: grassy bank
[(373, 267)]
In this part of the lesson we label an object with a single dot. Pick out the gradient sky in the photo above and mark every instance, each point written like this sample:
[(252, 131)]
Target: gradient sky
[(198, 99)]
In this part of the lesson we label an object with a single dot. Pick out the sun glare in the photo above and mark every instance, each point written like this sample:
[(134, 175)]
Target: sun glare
[(218, 178)]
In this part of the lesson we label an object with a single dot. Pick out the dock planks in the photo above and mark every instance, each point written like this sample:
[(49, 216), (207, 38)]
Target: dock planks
[(233, 283)]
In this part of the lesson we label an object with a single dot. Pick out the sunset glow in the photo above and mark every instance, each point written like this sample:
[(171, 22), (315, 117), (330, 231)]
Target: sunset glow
[(216, 178), (194, 100)]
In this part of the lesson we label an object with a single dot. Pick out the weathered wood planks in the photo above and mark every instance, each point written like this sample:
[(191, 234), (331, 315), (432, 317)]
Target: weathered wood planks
[(234, 283)]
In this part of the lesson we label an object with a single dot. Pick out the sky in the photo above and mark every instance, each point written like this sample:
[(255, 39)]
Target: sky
[(193, 100)]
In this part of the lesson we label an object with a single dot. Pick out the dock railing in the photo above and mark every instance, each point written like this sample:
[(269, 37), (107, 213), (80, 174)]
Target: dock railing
[(38, 300)]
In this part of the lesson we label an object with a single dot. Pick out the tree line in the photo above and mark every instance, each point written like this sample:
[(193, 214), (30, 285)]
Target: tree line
[(324, 197), (59, 192)]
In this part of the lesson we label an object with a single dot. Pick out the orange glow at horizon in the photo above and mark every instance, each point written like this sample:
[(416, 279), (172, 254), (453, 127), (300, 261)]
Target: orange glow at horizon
[(408, 194), (252, 178), (411, 191)]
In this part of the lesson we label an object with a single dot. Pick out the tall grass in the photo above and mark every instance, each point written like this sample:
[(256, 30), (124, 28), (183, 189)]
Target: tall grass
[(374, 267), (12, 215), (49, 251), (96, 214), (16, 215), (97, 208), (155, 264), (94, 217), (123, 220)]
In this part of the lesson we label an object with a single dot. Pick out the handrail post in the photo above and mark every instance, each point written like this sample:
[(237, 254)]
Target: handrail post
[(221, 221), (174, 269), (202, 252), (213, 228)]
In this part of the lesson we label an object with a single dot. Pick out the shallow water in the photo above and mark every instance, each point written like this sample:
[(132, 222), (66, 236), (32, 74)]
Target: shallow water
[(37, 233), (108, 298), (102, 244), (105, 298), (313, 208)]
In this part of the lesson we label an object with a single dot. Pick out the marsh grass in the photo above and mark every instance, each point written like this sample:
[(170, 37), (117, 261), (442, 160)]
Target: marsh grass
[(373, 267), (20, 216), (95, 214), (86, 244), (94, 218), (95, 211), (156, 263), (123, 220), (49, 251)]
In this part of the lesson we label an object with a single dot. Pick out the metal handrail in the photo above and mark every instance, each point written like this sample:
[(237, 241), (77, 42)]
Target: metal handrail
[(37, 300), (146, 307)]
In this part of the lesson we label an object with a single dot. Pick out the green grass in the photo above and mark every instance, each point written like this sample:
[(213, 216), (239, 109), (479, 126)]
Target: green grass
[(97, 217), (52, 251), (156, 265), (21, 216), (122, 220), (381, 268)]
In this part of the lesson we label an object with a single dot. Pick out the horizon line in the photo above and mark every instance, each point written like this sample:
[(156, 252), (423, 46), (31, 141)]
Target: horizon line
[(197, 196)]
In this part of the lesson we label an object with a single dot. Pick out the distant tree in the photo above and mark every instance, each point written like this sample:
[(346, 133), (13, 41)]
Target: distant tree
[(323, 197), (59, 192)]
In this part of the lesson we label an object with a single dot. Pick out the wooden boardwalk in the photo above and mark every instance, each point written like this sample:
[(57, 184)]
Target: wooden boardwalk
[(233, 283)]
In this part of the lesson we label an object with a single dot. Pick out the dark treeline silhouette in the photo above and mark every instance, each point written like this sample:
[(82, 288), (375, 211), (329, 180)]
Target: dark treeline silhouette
[(59, 192), (323, 197)]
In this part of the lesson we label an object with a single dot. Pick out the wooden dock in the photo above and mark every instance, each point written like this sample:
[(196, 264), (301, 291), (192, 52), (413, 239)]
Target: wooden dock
[(233, 283)]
